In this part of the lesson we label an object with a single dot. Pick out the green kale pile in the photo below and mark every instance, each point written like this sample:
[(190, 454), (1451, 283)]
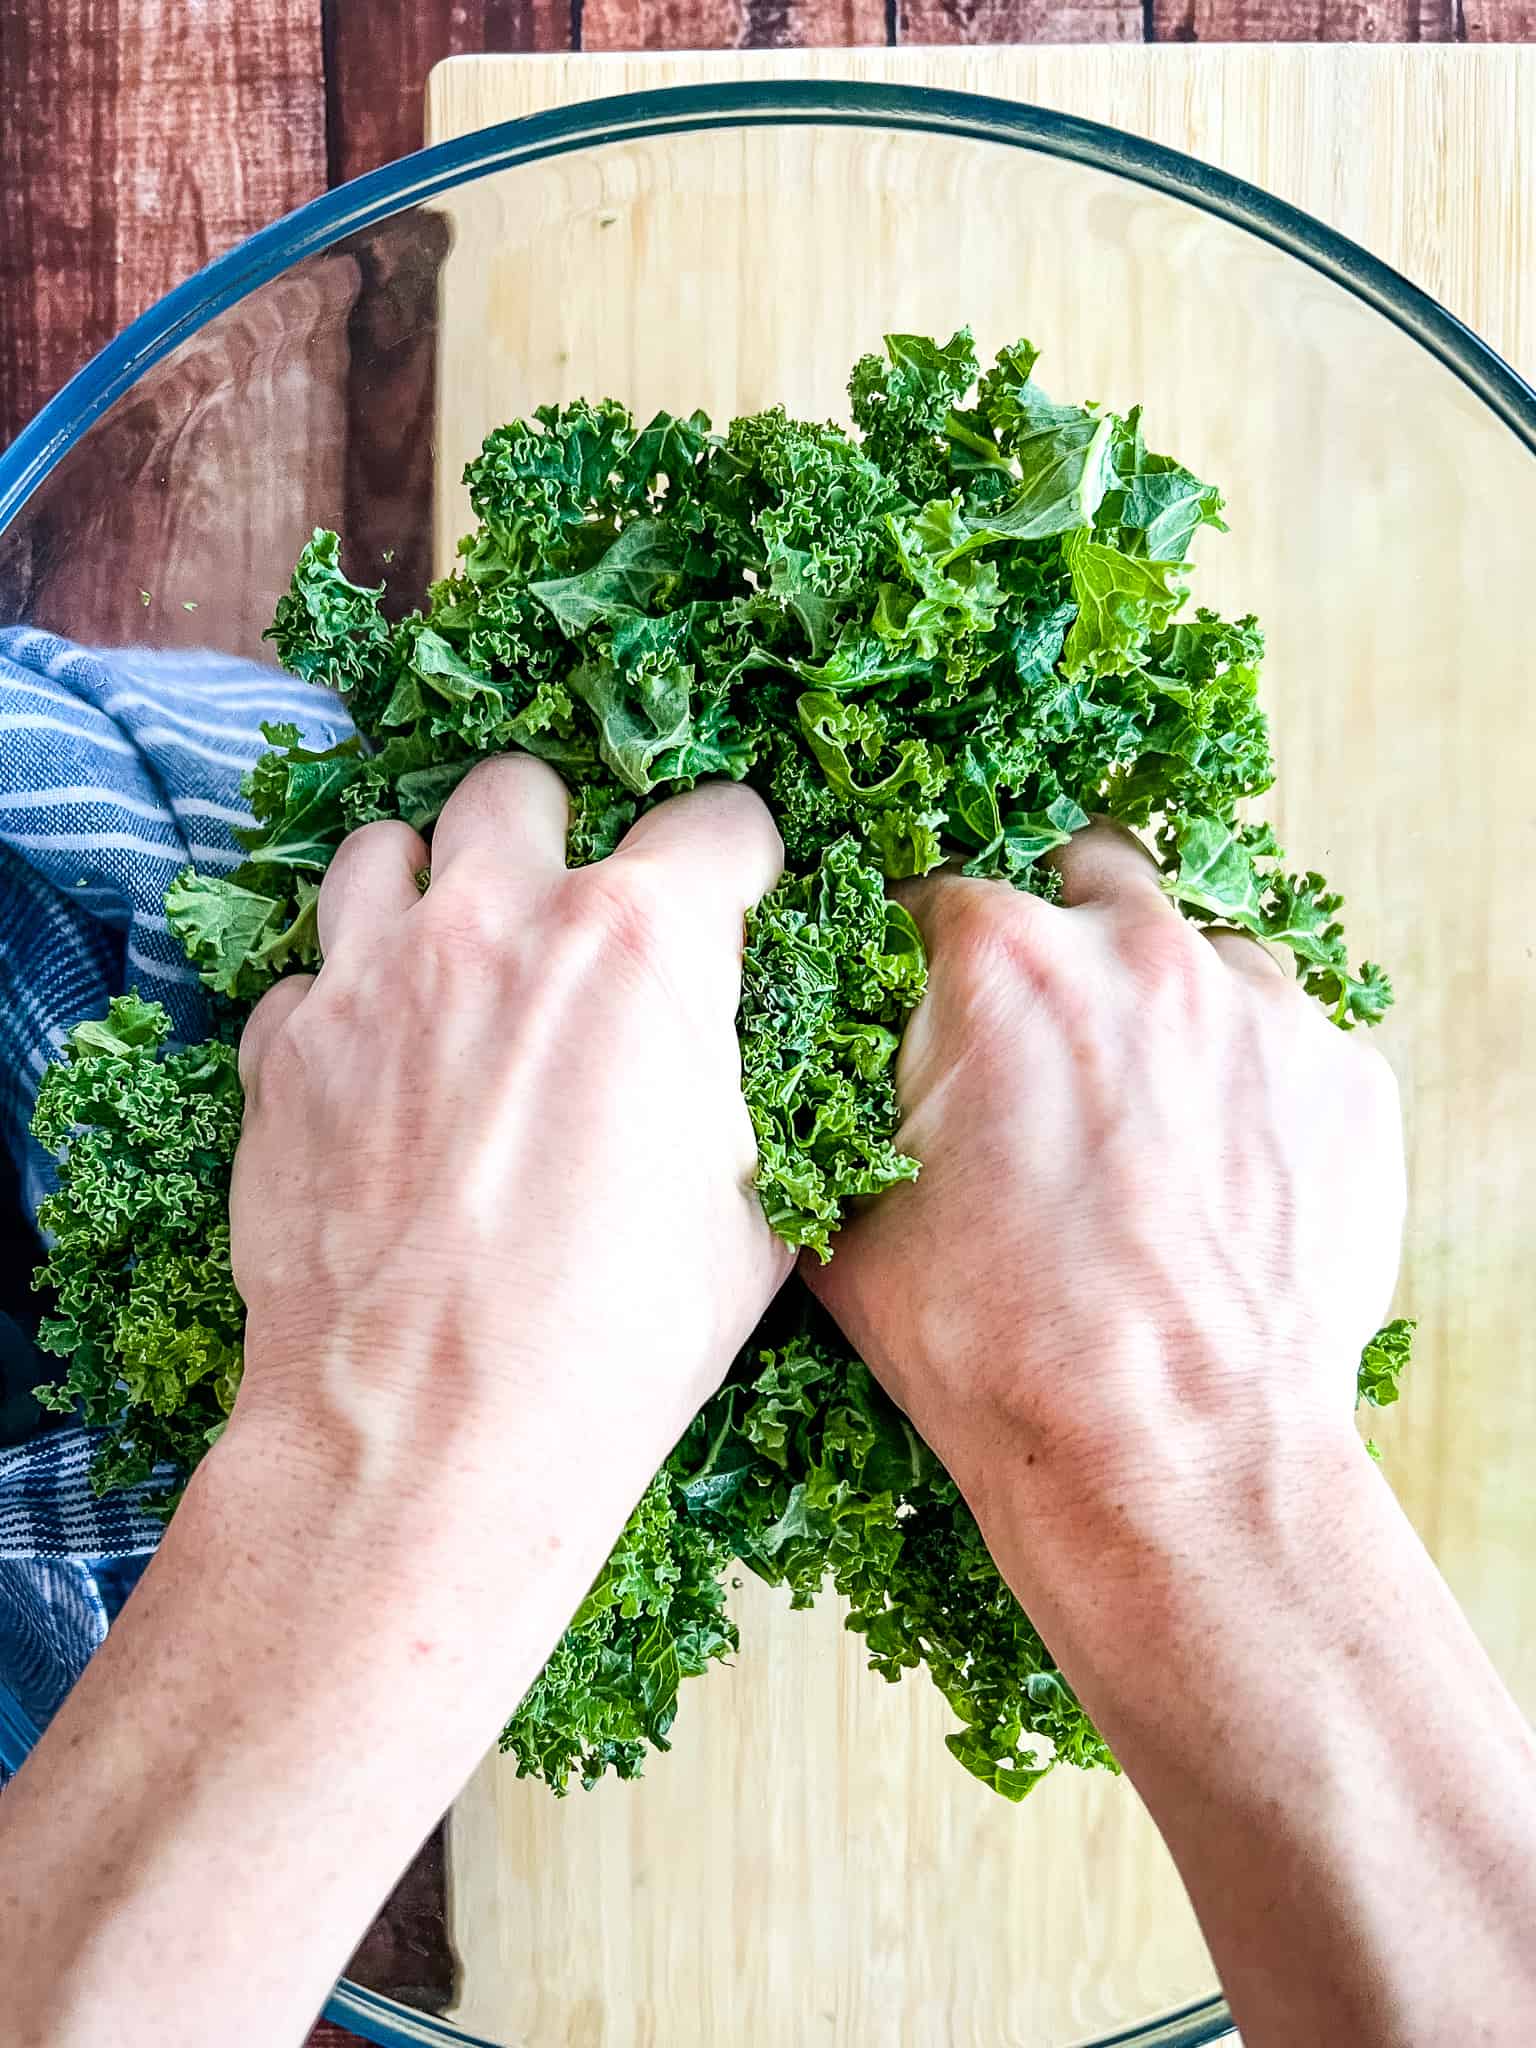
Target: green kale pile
[(949, 635)]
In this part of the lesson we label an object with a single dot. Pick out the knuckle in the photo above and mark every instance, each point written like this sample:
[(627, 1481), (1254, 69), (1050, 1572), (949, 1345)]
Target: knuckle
[(752, 823), (993, 930), (466, 917), (366, 841), (1003, 951), (273, 1069), (266, 1024), (1163, 955), (371, 846), (628, 910), (321, 1031), (1370, 1112), (391, 836)]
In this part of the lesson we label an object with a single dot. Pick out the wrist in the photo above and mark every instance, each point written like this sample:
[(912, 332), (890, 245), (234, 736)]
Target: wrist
[(1149, 1579), (1108, 1498), (324, 1510), (444, 1501), (452, 1425), (411, 1578)]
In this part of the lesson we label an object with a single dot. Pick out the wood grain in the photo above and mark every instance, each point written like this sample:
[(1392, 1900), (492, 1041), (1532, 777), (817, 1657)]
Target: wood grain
[(807, 1864), (1498, 21), (1019, 21), (379, 52), (731, 24), (201, 485), (377, 57), (1457, 123), (1304, 21), (406, 1952), (138, 138), (171, 138), (58, 289)]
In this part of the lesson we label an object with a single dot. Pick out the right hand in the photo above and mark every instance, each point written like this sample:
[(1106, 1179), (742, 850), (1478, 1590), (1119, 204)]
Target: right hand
[(1161, 1194)]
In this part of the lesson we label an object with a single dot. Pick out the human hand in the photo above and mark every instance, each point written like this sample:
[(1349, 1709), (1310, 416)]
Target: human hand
[(1161, 1195), (1158, 1217), (494, 1225), (495, 1156)]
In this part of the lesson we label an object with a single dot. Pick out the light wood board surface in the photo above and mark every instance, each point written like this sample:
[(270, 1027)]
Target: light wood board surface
[(809, 1866)]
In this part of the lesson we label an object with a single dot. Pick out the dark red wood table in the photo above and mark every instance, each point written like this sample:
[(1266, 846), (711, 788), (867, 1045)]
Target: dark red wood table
[(138, 138)]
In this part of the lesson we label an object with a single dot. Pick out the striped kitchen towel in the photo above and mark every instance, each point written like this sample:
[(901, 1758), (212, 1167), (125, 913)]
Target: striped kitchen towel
[(67, 1563), (117, 768)]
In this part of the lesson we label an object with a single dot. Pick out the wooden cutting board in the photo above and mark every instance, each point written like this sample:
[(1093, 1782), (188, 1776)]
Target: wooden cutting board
[(808, 1866), (1426, 155)]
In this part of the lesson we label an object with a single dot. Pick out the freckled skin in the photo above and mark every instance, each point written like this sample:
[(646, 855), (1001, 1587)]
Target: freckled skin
[(1157, 1219), (476, 1327)]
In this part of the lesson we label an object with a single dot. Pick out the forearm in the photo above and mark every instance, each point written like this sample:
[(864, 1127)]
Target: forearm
[(316, 1659), (1275, 1679)]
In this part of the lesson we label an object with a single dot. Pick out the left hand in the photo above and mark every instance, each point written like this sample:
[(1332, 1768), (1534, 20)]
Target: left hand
[(494, 1191)]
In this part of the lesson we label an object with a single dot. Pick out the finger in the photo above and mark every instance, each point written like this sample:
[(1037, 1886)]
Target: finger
[(509, 813), (719, 841), (1108, 866), (943, 904), (263, 1024), (1245, 954), (370, 883)]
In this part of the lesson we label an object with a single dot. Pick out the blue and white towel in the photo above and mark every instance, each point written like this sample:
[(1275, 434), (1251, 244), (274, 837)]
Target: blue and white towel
[(116, 770), (67, 1562)]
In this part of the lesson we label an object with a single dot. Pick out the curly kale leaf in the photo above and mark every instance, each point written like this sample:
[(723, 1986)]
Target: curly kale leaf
[(633, 570), (950, 635), (1383, 1361), (809, 1474), (1157, 503), (144, 1304), (655, 1617), (902, 406), (830, 972), (332, 632), (540, 488), (1231, 874), (1121, 600)]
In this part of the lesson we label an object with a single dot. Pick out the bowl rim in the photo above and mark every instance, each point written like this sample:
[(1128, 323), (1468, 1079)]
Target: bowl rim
[(380, 2019), (321, 223)]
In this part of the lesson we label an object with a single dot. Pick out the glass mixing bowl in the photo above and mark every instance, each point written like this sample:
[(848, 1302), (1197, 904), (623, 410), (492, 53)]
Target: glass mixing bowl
[(808, 1864)]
